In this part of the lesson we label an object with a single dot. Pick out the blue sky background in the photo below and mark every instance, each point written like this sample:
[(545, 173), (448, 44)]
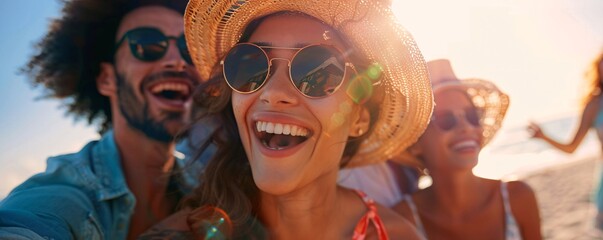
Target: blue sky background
[(535, 50), (31, 129)]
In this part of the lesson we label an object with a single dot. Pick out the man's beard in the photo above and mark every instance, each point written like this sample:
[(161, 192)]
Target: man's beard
[(137, 113)]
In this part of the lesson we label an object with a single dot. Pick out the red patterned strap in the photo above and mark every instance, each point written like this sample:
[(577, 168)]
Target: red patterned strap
[(370, 217)]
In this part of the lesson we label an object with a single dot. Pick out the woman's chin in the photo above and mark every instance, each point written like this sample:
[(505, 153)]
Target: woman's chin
[(274, 184), (275, 189)]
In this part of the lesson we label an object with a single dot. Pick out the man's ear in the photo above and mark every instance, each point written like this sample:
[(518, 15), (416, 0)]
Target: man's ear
[(105, 81), (360, 125)]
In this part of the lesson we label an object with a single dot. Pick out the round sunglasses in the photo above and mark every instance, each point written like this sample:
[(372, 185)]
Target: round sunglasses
[(150, 44), (315, 70), (447, 120)]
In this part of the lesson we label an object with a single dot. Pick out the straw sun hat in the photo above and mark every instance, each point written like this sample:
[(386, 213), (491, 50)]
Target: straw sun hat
[(212, 27), (486, 97)]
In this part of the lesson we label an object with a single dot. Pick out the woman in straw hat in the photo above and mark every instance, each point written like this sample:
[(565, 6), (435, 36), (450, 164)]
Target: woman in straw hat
[(458, 204), (302, 88), (592, 117)]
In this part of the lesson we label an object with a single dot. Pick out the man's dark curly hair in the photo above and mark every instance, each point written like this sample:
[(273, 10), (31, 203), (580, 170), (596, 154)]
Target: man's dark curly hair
[(67, 59)]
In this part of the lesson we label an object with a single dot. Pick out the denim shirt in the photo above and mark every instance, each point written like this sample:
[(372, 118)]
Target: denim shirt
[(80, 196)]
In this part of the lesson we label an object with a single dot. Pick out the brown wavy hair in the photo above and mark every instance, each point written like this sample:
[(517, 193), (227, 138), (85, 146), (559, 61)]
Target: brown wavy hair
[(227, 181), (67, 59), (594, 79)]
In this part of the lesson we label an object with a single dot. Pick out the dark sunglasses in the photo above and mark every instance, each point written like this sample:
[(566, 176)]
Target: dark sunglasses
[(447, 120), (150, 44), (315, 70)]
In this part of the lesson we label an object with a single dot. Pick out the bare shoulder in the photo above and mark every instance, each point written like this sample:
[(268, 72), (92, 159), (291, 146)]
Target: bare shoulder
[(519, 191), (173, 227), (523, 201), (524, 207), (396, 225), (404, 210)]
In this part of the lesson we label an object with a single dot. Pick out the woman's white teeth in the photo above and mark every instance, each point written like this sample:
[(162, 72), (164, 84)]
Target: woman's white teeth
[(464, 144), (281, 128), (278, 129), (287, 129)]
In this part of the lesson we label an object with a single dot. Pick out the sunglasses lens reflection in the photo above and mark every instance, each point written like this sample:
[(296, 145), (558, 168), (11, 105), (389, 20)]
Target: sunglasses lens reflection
[(317, 71), (245, 68), (147, 44)]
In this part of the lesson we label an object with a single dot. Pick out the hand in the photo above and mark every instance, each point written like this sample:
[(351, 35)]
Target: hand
[(535, 130)]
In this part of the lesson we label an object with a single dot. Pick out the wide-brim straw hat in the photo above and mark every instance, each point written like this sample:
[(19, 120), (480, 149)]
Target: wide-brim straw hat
[(213, 27)]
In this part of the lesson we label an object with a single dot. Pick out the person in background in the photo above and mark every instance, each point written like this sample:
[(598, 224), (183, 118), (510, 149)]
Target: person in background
[(458, 204), (301, 89), (124, 66), (592, 117)]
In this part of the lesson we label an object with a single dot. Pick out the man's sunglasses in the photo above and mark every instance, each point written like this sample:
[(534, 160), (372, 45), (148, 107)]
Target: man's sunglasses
[(315, 70), (150, 44), (447, 120)]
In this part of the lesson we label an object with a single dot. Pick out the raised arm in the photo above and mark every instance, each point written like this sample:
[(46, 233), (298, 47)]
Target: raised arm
[(588, 117)]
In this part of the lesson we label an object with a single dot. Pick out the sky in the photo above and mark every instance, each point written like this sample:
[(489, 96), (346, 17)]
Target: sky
[(535, 50), (32, 129)]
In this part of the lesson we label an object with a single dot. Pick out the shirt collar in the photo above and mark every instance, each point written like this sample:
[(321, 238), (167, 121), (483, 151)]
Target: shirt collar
[(107, 166)]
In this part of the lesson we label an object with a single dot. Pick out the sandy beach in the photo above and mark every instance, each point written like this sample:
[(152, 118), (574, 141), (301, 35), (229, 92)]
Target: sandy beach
[(564, 194)]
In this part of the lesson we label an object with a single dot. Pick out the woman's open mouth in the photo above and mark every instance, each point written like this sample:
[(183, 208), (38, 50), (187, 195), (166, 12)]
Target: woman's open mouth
[(280, 136)]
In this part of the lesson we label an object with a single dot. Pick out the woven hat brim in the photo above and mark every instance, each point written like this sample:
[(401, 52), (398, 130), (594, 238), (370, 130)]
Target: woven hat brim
[(213, 27)]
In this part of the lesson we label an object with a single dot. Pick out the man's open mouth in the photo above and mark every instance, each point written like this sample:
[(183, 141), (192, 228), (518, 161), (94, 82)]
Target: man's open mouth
[(172, 91), (279, 136)]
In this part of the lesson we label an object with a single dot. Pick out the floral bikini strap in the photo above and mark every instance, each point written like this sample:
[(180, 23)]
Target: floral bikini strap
[(370, 217)]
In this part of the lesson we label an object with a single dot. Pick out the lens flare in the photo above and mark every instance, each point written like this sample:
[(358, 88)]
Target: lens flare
[(360, 88), (210, 222), (374, 71)]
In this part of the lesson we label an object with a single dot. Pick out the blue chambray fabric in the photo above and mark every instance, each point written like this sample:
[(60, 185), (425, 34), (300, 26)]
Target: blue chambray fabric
[(80, 196), (194, 162)]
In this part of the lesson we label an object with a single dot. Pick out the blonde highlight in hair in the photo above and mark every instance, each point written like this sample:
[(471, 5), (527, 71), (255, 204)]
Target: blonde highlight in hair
[(594, 80)]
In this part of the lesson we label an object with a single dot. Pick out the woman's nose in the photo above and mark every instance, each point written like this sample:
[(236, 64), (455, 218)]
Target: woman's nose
[(278, 90)]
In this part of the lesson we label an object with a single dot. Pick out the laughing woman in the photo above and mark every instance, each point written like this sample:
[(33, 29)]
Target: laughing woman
[(304, 88), (460, 205)]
